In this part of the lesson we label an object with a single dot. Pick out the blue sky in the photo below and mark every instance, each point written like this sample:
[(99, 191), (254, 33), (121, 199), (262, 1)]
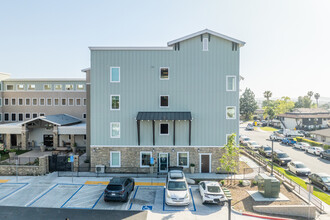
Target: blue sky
[(287, 48)]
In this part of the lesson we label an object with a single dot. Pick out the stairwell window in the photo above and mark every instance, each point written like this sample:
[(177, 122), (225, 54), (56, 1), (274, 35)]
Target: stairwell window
[(163, 129), (231, 83), (164, 101), (205, 44), (115, 129), (115, 100), (231, 112), (164, 73), (115, 74)]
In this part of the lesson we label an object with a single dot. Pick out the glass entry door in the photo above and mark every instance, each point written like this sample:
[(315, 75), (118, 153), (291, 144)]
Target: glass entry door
[(163, 162)]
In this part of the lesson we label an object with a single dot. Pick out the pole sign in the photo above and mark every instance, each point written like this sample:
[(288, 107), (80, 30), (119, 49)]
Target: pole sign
[(71, 159), (152, 161)]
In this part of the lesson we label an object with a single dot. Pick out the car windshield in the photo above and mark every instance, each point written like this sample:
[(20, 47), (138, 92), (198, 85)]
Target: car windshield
[(177, 186), (114, 187), (267, 148), (247, 139), (326, 179), (300, 165), (213, 189), (282, 155), (253, 143)]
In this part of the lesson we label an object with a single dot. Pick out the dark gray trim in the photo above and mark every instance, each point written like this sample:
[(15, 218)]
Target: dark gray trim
[(164, 116)]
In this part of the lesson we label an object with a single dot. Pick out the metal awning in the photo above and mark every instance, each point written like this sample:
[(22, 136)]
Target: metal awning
[(164, 116)]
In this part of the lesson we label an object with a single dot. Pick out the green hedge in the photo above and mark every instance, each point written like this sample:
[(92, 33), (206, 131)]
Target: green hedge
[(313, 143)]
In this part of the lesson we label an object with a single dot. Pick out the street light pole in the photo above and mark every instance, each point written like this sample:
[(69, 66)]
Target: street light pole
[(271, 173), (229, 209)]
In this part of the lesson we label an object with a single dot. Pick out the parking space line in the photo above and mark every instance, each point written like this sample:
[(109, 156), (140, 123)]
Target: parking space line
[(97, 200), (149, 184), (24, 184), (42, 195), (192, 198), (97, 182), (72, 195), (137, 188)]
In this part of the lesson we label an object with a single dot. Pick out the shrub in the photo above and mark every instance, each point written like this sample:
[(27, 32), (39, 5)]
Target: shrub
[(254, 183), (222, 182), (326, 147), (241, 182)]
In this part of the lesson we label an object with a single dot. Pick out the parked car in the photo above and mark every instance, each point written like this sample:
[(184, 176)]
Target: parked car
[(281, 158), (211, 192), (314, 150), (298, 168), (177, 190), (265, 150), (322, 180), (276, 136), (301, 145), (249, 127), (263, 123), (245, 140), (253, 145), (305, 133), (289, 141), (119, 189), (325, 154)]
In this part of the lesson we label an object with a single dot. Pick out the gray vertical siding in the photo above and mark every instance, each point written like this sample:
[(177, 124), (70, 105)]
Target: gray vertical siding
[(197, 84)]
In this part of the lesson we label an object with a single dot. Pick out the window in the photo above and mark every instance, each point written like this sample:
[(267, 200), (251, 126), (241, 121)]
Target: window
[(231, 83), (6, 117), (56, 101), (205, 44), (13, 117), (42, 101), (80, 87), (164, 101), (27, 116), (63, 102), (231, 112), (6, 101), (115, 159), (27, 101), (58, 87), (71, 102), (0, 116), (34, 115), (234, 46), (84, 115), (0, 101), (10, 87), (20, 87), (145, 159), (78, 103), (13, 101), (49, 101), (34, 101), (183, 159), (20, 117), (20, 101), (115, 102), (31, 87), (69, 87), (41, 114), (115, 130), (164, 73), (47, 87), (85, 137), (164, 129), (115, 74), (85, 101)]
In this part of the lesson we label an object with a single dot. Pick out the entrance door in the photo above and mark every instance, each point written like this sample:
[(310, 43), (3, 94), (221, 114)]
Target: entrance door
[(205, 163), (48, 140), (163, 162), (13, 139)]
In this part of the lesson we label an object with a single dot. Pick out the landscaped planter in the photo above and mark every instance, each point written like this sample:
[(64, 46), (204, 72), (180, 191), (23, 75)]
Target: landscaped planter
[(12, 155)]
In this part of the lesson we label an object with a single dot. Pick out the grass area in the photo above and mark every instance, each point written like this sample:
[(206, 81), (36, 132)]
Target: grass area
[(268, 129), (5, 154)]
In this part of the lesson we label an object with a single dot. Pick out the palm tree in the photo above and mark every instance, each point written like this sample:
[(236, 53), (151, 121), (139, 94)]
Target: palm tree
[(310, 94), (267, 95), (317, 96)]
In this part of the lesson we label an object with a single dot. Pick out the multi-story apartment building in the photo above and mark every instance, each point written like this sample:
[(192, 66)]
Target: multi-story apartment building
[(25, 101), (167, 106)]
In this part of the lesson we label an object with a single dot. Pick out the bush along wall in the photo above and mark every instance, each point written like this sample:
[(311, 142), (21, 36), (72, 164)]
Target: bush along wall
[(313, 143)]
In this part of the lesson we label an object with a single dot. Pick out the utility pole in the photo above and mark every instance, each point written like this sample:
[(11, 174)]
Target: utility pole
[(271, 173)]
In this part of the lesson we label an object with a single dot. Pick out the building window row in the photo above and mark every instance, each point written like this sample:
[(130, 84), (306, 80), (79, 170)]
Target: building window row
[(44, 101), (13, 117), (46, 87)]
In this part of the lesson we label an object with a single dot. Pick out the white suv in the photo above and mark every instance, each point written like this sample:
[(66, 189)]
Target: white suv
[(177, 190)]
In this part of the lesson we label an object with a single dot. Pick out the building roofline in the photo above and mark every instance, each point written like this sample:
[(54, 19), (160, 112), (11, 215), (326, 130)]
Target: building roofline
[(241, 43), (86, 69), (130, 48), (44, 79)]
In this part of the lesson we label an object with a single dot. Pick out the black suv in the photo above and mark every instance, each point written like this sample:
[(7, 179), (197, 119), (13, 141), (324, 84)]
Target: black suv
[(281, 158), (119, 189)]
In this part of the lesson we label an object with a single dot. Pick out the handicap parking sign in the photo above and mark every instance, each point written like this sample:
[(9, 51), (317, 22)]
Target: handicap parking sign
[(147, 207)]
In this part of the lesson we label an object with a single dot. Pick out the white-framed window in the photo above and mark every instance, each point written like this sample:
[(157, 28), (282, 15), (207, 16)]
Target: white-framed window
[(6, 117), (145, 157), (41, 114), (230, 112), (163, 128), (164, 73), (78, 102), (58, 87), (49, 101), (13, 116), (13, 101), (85, 102), (20, 87), (84, 115), (63, 101), (183, 159), (34, 115), (20, 101), (27, 115), (115, 102), (6, 101), (56, 101), (115, 74), (9, 87), (69, 87), (115, 130), (230, 83), (20, 117), (80, 87), (31, 87), (115, 160), (205, 44), (163, 101), (41, 101), (34, 101), (27, 101), (0, 116), (71, 102), (0, 101), (47, 87)]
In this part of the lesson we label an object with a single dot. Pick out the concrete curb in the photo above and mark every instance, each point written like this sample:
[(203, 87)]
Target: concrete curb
[(258, 216)]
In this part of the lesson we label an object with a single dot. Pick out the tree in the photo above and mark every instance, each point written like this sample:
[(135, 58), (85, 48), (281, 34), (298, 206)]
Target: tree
[(230, 157), (317, 96), (284, 105), (267, 95), (303, 102), (310, 94), (248, 104), (270, 111)]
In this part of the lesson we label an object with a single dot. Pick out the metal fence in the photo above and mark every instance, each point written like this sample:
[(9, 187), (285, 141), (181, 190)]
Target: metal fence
[(21, 161)]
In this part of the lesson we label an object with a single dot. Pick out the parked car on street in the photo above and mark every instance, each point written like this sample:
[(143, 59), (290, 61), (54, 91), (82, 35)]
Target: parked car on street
[(244, 140), (119, 189), (281, 158), (211, 192), (265, 150), (176, 190), (249, 127), (322, 180), (301, 145), (314, 150), (298, 168), (289, 141), (325, 154), (276, 136), (253, 145)]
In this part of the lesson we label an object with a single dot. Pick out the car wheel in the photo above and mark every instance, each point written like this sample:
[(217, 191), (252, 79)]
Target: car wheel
[(126, 198), (133, 187), (203, 202), (321, 155), (324, 188), (105, 200), (314, 153), (222, 203)]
